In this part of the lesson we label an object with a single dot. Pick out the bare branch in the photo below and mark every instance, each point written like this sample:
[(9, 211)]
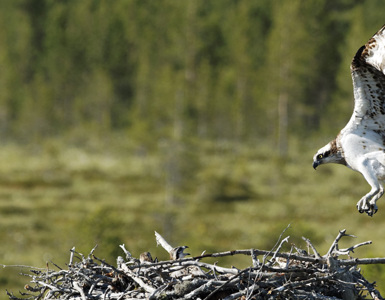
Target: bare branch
[(334, 246), (161, 241), (286, 239), (317, 255), (278, 241), (72, 256), (128, 254)]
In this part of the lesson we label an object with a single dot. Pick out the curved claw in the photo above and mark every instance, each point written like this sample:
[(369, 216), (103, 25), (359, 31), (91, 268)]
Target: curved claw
[(362, 207), (367, 207), (370, 209), (373, 209)]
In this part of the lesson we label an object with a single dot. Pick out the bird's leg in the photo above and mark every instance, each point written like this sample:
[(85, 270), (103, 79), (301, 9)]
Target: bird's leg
[(372, 203), (368, 202), (364, 205)]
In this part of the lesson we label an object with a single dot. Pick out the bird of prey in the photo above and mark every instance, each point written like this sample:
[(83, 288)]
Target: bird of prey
[(360, 145), (175, 252)]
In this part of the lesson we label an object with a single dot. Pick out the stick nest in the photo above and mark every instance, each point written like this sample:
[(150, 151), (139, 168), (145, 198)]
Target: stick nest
[(271, 275)]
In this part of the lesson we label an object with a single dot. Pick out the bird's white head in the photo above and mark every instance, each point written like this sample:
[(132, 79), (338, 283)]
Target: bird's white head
[(328, 154)]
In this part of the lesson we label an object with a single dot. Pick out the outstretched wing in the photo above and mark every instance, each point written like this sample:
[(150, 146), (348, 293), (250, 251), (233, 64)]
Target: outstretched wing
[(368, 73)]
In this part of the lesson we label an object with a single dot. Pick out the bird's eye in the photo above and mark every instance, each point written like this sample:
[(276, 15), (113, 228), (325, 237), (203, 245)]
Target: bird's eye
[(320, 156)]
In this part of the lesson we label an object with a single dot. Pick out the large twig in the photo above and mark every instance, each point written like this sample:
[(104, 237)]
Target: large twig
[(161, 241), (286, 239), (361, 261), (317, 255), (334, 246), (351, 249), (258, 252), (278, 242), (224, 284)]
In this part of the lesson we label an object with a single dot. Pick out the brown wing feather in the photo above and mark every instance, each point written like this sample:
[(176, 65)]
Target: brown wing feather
[(369, 84)]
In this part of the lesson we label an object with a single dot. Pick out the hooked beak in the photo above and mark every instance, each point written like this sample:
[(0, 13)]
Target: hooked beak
[(185, 247), (315, 164)]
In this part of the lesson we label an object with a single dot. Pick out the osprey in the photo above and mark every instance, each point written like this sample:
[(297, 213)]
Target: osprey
[(360, 145)]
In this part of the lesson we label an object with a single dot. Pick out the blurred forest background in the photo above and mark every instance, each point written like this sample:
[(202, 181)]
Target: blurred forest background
[(197, 119)]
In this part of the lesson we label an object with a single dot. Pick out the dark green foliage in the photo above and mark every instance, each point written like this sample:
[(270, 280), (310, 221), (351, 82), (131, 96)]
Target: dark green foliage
[(216, 70)]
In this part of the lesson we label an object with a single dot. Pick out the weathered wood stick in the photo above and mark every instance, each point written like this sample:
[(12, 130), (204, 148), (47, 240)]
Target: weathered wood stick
[(225, 283), (361, 261), (317, 255), (341, 234)]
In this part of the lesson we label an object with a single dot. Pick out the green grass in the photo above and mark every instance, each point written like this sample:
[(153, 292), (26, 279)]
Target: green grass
[(210, 197)]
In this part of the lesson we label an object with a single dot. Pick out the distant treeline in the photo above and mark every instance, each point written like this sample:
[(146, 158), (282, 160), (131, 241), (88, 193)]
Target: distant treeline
[(230, 69)]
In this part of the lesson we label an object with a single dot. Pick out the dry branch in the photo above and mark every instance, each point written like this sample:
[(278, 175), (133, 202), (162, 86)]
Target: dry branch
[(285, 275)]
